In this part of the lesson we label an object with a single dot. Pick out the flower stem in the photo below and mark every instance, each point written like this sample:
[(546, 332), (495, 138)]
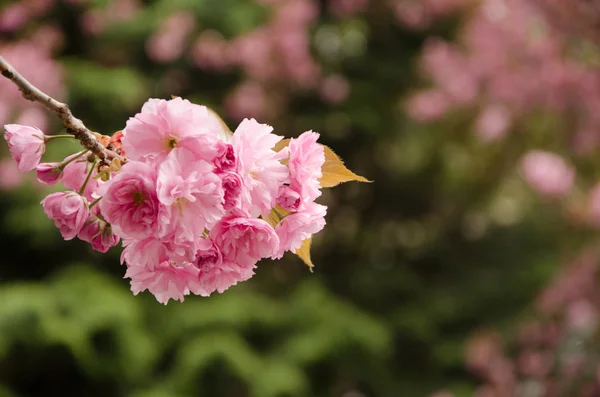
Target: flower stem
[(65, 163), (87, 178), (49, 138), (95, 202)]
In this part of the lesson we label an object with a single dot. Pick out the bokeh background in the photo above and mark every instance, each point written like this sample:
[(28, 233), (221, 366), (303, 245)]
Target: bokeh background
[(468, 268)]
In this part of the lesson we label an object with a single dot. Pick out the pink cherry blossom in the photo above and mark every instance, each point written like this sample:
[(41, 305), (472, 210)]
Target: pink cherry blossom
[(149, 252), (306, 157), (288, 198), (75, 173), (26, 145), (163, 125), (191, 194), (166, 281), (232, 188), (225, 160), (129, 201), (48, 173), (69, 211), (297, 227), (244, 241), (215, 273), (98, 233), (259, 166), (547, 173)]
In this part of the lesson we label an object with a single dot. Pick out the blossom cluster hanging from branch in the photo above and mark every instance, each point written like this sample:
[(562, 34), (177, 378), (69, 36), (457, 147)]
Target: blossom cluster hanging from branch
[(195, 205)]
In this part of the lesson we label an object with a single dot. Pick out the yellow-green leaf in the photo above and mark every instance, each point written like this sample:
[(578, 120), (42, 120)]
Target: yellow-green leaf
[(335, 172), (273, 219), (304, 253)]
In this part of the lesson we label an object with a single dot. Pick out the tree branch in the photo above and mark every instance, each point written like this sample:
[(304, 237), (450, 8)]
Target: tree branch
[(73, 125)]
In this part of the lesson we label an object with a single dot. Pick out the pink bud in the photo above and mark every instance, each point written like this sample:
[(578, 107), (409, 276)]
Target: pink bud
[(225, 159), (48, 173), (98, 233), (288, 198), (26, 145), (69, 211)]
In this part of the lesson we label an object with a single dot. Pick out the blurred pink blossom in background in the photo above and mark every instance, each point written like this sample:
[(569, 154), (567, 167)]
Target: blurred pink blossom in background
[(34, 61), (10, 176), (168, 42), (95, 20), (509, 56), (493, 122), (547, 173)]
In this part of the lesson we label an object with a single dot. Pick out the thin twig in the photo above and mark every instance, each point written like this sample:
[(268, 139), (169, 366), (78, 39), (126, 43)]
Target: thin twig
[(73, 125)]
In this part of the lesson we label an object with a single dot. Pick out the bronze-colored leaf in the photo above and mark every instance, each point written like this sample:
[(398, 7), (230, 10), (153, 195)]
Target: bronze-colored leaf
[(281, 144), (304, 253), (225, 132), (275, 216), (335, 172)]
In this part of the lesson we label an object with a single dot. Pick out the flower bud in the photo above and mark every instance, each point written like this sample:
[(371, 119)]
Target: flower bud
[(26, 145), (48, 173)]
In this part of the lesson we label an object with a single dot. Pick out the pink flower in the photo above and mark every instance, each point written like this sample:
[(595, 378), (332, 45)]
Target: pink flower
[(245, 241), (232, 188), (149, 252), (26, 145), (288, 198), (98, 233), (259, 166), (191, 194), (297, 227), (215, 273), (547, 173), (69, 211), (48, 173), (165, 281), (226, 159), (164, 125), (75, 173), (306, 157), (129, 201)]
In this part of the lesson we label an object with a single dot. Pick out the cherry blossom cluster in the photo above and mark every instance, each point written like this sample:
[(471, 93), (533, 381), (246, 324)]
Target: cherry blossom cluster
[(195, 206)]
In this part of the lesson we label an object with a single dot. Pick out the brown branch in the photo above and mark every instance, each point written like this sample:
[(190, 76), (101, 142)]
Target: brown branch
[(73, 125)]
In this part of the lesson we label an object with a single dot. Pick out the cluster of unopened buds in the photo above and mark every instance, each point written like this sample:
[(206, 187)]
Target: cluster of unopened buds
[(195, 206)]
